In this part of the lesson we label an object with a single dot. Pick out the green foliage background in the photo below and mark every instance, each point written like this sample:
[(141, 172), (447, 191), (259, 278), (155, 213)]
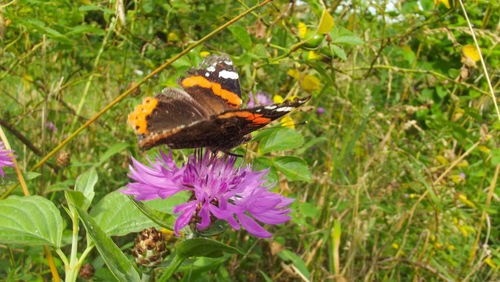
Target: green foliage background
[(402, 159)]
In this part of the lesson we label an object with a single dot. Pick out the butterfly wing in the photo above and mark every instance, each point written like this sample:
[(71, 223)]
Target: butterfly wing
[(229, 129), (169, 111), (215, 84)]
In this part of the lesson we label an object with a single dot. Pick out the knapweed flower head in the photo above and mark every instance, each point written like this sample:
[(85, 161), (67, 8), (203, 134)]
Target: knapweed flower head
[(5, 158), (220, 190)]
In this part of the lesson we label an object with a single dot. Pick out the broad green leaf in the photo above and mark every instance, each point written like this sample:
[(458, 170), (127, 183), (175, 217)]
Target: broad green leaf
[(204, 247), (241, 35), (113, 150), (441, 92), (118, 216), (76, 198), (115, 259), (262, 163), (85, 183), (309, 209), (347, 39), (326, 23), (281, 138), (339, 52), (161, 210), (293, 168), (161, 218), (182, 63), (30, 220), (287, 255)]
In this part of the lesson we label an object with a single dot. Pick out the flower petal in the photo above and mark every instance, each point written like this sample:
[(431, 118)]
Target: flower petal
[(252, 227)]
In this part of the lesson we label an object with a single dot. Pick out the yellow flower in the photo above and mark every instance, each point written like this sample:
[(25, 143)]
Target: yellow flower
[(302, 30), (444, 2)]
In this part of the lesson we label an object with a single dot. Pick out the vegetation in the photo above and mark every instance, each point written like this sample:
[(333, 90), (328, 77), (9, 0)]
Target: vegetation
[(393, 163)]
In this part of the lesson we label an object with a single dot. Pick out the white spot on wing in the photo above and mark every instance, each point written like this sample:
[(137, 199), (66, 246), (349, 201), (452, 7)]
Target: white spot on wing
[(272, 107), (211, 69), (228, 74), (229, 63), (285, 109), (207, 74)]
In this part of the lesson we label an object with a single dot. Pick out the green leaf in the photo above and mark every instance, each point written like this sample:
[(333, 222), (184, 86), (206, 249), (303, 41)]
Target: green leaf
[(161, 218), (309, 210), (85, 29), (204, 247), (11, 176), (241, 35), (85, 183), (76, 198), (115, 259), (217, 227), (279, 139), (339, 52), (42, 28), (118, 216), (286, 255), (441, 92), (495, 156), (262, 163), (326, 23), (293, 168), (113, 150), (30, 220), (311, 143), (347, 39)]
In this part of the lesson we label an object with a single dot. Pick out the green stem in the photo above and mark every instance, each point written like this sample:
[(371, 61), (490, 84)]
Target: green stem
[(111, 29), (171, 269)]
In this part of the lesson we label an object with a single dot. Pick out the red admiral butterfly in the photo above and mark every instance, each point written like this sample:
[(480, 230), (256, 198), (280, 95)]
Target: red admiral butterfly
[(206, 114)]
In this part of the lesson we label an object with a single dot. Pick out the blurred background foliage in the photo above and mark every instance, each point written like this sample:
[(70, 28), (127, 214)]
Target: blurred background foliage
[(398, 147)]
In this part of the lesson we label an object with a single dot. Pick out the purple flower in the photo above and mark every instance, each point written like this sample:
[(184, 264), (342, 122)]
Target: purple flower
[(462, 175), (5, 158), (320, 110), (52, 127), (237, 194), (262, 99)]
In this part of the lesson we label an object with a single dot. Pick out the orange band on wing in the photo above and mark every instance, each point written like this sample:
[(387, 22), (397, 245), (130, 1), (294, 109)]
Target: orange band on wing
[(233, 100), (256, 119), (137, 118)]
